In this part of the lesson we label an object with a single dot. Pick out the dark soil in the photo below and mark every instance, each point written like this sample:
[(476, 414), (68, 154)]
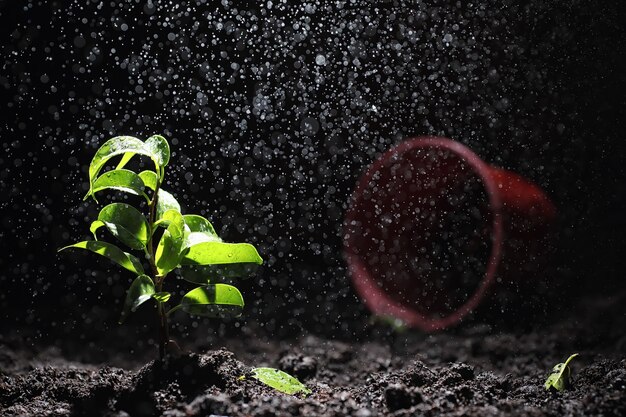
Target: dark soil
[(472, 371)]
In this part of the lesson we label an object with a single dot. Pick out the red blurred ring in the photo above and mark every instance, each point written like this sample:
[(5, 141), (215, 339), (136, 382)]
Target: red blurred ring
[(375, 298)]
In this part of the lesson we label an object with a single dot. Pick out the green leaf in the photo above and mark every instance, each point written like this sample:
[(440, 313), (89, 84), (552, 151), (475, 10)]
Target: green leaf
[(169, 217), (125, 223), (159, 150), (195, 238), (149, 179), (199, 224), (125, 260), (168, 251), (206, 274), (140, 291), (155, 147), (165, 202), (559, 378), (125, 159), (162, 297), (216, 253), (119, 179), (111, 148), (219, 300), (95, 225), (280, 381)]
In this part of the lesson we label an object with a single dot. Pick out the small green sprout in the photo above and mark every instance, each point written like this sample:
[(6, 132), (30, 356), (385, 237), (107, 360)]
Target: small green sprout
[(280, 381), (168, 239), (395, 324), (559, 377)]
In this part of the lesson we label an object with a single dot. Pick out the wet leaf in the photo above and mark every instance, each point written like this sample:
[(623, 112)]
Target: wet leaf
[(195, 238), (159, 150), (121, 180), (216, 253), (125, 223), (559, 378), (168, 251), (280, 381), (162, 297), (166, 202), (108, 250), (109, 149), (199, 224), (149, 179), (219, 300), (125, 159), (171, 217), (140, 291), (155, 147)]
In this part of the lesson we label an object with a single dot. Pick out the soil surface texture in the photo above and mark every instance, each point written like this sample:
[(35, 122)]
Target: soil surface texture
[(475, 370)]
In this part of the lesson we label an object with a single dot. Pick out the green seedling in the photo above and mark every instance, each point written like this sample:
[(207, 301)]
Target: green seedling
[(560, 375), (169, 240), (395, 324), (280, 381)]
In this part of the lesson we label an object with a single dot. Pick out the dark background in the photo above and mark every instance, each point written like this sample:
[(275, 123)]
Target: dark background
[(273, 112)]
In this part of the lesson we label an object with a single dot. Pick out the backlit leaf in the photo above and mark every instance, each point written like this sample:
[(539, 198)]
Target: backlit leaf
[(162, 297), (125, 223), (119, 179), (140, 291), (149, 179), (172, 217), (165, 202), (199, 224), (108, 250), (155, 147), (168, 251), (111, 148), (219, 300), (159, 149), (125, 159), (216, 253), (195, 238), (95, 225), (280, 381)]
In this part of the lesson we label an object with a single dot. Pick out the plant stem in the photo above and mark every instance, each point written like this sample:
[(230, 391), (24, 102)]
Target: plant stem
[(163, 328), (161, 316)]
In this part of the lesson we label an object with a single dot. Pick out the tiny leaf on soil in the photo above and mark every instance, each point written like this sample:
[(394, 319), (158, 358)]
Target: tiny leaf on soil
[(559, 378), (108, 250), (280, 381), (140, 291)]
